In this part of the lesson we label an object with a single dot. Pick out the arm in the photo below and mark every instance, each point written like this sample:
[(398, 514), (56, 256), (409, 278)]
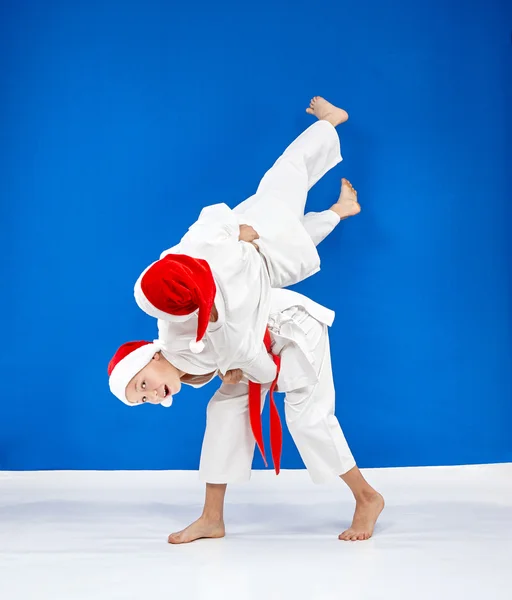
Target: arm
[(261, 369), (232, 377)]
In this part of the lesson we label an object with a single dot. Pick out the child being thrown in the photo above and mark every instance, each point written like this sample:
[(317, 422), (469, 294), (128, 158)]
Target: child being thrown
[(227, 280)]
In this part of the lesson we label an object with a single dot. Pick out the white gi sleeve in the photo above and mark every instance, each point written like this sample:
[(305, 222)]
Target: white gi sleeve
[(261, 369)]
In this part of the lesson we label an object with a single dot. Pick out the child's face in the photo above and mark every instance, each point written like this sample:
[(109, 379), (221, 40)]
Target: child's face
[(156, 381)]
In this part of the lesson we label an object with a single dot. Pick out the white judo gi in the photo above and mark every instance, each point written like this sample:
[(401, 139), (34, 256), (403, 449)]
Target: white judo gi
[(287, 253)]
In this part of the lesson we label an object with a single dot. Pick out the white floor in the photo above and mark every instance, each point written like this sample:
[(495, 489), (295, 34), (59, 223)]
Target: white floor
[(446, 533)]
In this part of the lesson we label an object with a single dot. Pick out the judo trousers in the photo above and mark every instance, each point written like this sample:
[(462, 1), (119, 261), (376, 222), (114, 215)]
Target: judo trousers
[(304, 162), (276, 211), (228, 445)]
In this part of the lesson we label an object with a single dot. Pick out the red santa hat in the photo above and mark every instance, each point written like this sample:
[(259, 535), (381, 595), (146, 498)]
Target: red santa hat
[(129, 359), (176, 287)]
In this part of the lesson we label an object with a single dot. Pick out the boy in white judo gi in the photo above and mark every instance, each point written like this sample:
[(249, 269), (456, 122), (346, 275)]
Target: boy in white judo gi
[(236, 278)]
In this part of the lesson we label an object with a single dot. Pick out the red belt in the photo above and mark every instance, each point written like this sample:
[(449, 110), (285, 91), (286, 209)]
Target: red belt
[(276, 431)]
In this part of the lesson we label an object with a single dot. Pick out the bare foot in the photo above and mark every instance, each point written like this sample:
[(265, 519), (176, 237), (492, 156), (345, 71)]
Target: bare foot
[(347, 205), (366, 515), (202, 528), (325, 111)]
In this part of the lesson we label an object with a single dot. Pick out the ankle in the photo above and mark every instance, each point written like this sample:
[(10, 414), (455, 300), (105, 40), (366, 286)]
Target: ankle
[(366, 496), (212, 516)]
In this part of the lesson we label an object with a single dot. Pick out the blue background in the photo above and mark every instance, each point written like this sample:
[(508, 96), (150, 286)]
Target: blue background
[(120, 120)]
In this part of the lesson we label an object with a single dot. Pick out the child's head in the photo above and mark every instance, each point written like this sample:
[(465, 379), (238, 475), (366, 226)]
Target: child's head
[(139, 373)]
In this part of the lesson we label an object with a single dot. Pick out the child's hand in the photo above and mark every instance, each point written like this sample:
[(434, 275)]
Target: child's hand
[(232, 376), (247, 234)]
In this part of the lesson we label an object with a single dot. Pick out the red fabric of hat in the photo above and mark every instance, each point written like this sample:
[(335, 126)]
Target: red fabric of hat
[(123, 352), (178, 284)]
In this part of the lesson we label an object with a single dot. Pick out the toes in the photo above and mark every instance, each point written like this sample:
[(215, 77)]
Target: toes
[(353, 536), (178, 537), (346, 183), (309, 111)]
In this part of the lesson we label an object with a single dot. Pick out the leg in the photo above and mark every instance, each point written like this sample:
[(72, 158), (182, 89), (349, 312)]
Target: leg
[(369, 505), (226, 457), (320, 440), (228, 443), (310, 410), (303, 163), (320, 225), (211, 523), (276, 211)]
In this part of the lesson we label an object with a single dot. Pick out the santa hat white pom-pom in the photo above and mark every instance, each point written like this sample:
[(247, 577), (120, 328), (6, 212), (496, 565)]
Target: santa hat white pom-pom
[(196, 347)]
